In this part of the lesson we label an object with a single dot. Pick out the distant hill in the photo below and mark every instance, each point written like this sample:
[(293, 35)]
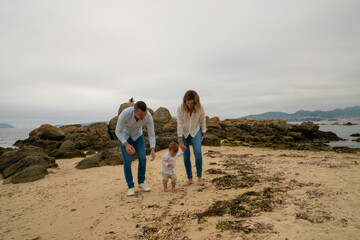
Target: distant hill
[(302, 115), (6, 125)]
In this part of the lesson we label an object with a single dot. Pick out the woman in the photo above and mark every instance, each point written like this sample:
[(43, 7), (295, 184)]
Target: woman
[(191, 124)]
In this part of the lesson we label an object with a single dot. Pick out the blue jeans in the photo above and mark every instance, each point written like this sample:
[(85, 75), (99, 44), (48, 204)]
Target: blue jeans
[(139, 146), (196, 143)]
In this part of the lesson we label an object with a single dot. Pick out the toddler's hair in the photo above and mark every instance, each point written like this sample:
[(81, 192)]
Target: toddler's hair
[(174, 146)]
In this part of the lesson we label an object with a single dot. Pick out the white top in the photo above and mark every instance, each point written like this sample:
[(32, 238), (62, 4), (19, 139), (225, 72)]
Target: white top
[(127, 126), (190, 124), (168, 159)]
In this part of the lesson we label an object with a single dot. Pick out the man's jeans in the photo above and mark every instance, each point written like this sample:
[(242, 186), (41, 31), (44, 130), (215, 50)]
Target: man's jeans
[(196, 143), (139, 146)]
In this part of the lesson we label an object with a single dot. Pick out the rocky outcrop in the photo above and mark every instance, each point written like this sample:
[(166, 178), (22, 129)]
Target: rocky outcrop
[(110, 157), (162, 115), (271, 133), (14, 162), (73, 140)]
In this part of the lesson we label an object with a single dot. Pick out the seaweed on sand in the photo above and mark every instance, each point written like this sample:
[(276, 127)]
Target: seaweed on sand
[(243, 206)]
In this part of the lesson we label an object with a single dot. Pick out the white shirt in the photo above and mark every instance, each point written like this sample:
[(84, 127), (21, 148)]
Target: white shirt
[(168, 159), (190, 124), (127, 126)]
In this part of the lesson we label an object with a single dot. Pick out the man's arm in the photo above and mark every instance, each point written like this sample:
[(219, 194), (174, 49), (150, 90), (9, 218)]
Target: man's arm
[(119, 132), (151, 134)]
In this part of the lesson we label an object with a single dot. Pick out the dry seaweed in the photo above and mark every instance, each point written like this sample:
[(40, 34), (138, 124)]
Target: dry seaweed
[(243, 206), (215, 171)]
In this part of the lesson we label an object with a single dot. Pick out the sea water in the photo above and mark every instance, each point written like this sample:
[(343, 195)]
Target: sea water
[(8, 136), (341, 130)]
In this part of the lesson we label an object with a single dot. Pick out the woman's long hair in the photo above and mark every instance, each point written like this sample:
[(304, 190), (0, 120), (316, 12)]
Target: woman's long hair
[(191, 95)]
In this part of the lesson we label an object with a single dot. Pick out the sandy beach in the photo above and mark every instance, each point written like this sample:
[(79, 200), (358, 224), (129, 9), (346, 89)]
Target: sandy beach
[(308, 195)]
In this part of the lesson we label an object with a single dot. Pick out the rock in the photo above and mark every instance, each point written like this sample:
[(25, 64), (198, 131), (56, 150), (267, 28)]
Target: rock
[(124, 106), (211, 140), (70, 128), (110, 157), (67, 154), (15, 161), (28, 174), (171, 126), (213, 123), (162, 115), (47, 131), (4, 150), (357, 140), (213, 120), (308, 127), (295, 135), (280, 125), (91, 152), (69, 145), (355, 135), (112, 127), (95, 136), (162, 140)]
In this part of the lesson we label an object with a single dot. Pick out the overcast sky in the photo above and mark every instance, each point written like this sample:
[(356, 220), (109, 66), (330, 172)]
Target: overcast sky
[(76, 61)]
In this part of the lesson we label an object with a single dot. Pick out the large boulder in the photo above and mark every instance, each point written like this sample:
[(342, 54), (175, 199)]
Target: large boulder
[(110, 157), (124, 106), (112, 127), (29, 174), (47, 131), (162, 115), (17, 160), (211, 140), (95, 136)]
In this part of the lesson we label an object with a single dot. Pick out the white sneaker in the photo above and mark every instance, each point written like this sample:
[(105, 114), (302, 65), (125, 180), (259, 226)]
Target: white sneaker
[(145, 188), (131, 192)]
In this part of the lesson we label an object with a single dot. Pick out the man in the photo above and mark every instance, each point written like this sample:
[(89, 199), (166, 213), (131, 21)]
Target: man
[(131, 138)]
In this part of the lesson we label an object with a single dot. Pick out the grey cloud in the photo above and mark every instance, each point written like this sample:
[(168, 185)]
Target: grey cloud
[(84, 58)]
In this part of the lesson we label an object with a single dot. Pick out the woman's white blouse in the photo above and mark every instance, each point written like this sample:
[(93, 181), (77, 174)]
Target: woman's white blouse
[(190, 125)]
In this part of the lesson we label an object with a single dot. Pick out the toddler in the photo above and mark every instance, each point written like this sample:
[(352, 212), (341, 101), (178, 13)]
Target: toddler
[(169, 165)]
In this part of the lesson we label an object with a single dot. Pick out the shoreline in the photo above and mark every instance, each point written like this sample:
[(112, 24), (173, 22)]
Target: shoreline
[(319, 192)]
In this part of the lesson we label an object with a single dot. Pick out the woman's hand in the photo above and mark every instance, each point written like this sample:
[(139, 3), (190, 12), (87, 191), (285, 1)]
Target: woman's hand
[(182, 147), (203, 135)]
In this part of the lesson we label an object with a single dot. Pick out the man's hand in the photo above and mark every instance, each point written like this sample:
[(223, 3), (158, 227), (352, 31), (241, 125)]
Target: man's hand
[(170, 165), (152, 153), (130, 149), (203, 135)]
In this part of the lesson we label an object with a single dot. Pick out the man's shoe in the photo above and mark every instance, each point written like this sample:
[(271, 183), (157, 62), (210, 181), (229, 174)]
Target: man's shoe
[(131, 192), (144, 187)]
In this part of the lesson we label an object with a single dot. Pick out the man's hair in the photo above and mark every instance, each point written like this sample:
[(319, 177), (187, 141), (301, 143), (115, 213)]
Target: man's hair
[(140, 105), (174, 146)]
